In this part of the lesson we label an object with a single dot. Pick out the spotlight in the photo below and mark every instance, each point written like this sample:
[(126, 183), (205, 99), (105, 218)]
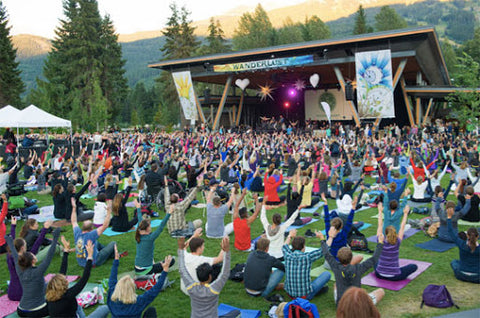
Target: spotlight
[(286, 104), (292, 92)]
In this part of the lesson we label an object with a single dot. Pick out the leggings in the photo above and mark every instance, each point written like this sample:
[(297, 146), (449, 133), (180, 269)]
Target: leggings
[(405, 271)]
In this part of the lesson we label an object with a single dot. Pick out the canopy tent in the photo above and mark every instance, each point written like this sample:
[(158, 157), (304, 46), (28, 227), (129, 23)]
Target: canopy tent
[(7, 115), (32, 116)]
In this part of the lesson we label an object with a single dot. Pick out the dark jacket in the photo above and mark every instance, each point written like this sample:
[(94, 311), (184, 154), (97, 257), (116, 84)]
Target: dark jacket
[(120, 222), (258, 269)]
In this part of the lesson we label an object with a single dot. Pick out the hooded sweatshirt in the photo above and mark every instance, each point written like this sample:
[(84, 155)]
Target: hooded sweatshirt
[(350, 275), (271, 187)]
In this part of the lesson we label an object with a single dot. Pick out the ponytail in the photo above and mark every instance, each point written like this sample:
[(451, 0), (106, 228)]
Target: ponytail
[(472, 237), (144, 224)]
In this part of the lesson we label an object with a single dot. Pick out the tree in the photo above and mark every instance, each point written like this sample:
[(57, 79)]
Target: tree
[(388, 19), (361, 26), (180, 42), (289, 33), (460, 25), (315, 29), (254, 30), (466, 105), (472, 47), (84, 76), (216, 42), (449, 56), (11, 85)]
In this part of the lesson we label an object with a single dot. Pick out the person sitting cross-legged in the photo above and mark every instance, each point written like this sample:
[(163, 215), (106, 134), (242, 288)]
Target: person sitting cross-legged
[(298, 264), (258, 278), (242, 222), (204, 295)]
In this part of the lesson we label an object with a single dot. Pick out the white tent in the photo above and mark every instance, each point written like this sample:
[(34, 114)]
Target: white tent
[(8, 114), (32, 117)]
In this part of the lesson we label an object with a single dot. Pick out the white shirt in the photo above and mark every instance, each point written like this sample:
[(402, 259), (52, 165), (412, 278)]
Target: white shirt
[(192, 261), (419, 189), (100, 212)]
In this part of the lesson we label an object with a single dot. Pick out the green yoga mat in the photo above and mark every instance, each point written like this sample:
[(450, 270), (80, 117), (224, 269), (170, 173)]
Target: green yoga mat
[(463, 222), (315, 272)]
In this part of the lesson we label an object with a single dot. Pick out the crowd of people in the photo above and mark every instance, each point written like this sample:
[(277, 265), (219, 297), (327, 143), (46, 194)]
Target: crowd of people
[(249, 175)]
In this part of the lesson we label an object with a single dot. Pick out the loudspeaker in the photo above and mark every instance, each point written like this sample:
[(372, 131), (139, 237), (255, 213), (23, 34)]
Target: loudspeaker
[(349, 92), (206, 95)]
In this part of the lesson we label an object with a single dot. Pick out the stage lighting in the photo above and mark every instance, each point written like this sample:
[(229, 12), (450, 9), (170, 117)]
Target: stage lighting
[(286, 104), (292, 92)]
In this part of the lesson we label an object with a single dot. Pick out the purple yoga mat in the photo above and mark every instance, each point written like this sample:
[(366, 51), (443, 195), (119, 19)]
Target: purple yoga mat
[(7, 306), (372, 280), (130, 204), (406, 235)]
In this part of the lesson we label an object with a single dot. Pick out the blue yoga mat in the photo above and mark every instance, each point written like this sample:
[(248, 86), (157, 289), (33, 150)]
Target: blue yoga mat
[(436, 245), (291, 227), (110, 232), (313, 209), (245, 313)]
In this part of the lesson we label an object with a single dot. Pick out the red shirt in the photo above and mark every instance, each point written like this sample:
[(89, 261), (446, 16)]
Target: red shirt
[(271, 188), (242, 234)]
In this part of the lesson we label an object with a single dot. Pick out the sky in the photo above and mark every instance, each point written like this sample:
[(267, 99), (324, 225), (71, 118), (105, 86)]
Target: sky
[(41, 17)]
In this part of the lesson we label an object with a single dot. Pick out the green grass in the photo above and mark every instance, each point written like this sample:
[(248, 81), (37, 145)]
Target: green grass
[(173, 303)]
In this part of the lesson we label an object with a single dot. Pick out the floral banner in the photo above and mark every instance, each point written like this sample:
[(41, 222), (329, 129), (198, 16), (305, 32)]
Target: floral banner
[(183, 83), (374, 84)]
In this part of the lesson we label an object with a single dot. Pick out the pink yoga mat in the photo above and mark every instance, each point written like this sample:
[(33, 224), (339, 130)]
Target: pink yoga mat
[(372, 280), (70, 278), (406, 235), (7, 306)]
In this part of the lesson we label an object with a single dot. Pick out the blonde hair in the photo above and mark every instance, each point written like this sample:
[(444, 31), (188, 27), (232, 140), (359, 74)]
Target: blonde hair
[(108, 180), (391, 235), (125, 291), (56, 288)]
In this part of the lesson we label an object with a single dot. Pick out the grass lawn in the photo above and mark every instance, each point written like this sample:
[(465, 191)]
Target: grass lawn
[(173, 303)]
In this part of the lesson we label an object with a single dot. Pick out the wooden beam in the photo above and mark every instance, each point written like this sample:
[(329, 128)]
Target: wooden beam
[(341, 81), (199, 108), (417, 109), (234, 115), (377, 122), (407, 102), (399, 72), (430, 102), (222, 103), (211, 114), (240, 108)]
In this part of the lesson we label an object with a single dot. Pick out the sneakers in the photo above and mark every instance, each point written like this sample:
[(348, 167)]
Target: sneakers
[(275, 298), (309, 233)]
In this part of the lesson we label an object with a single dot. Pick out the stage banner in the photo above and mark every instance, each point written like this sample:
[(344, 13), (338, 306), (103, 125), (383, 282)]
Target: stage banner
[(315, 101), (374, 84), (183, 83), (262, 64)]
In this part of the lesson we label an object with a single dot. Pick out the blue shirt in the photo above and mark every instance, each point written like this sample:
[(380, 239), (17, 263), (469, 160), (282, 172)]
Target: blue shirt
[(297, 271), (81, 240)]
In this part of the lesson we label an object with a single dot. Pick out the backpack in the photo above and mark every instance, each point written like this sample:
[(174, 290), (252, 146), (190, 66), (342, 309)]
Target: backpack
[(357, 241), (236, 274), (300, 308), (437, 296)]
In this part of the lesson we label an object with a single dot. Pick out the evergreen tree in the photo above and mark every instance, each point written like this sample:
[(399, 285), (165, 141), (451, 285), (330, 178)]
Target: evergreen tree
[(84, 76), (254, 30), (180, 42), (472, 47), (361, 26), (449, 56), (11, 85), (215, 41), (315, 29), (289, 33), (388, 19)]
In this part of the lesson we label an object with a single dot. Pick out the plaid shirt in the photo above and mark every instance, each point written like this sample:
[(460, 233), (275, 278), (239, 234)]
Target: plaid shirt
[(297, 269), (177, 219)]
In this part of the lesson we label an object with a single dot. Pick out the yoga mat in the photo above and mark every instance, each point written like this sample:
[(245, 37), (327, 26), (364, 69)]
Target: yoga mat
[(291, 227), (70, 278), (110, 232), (474, 313), (130, 204), (463, 222), (406, 234), (436, 245), (46, 214), (361, 209), (245, 313), (315, 272), (7, 306), (313, 209), (199, 206), (363, 227), (87, 196), (372, 280)]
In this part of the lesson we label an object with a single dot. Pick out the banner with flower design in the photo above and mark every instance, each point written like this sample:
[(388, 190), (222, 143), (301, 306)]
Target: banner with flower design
[(374, 84), (183, 83)]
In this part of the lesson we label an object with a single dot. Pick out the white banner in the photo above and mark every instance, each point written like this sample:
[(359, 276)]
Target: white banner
[(374, 84), (183, 83), (314, 110)]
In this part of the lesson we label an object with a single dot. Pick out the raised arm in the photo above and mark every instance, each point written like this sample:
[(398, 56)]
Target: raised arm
[(51, 251), (237, 205), (258, 207), (218, 284), (406, 210)]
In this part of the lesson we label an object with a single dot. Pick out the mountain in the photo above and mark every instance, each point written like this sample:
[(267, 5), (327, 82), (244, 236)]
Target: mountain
[(142, 48)]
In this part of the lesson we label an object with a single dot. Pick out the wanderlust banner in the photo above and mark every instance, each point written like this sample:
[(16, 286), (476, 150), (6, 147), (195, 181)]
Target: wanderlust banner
[(374, 84), (183, 83), (262, 64)]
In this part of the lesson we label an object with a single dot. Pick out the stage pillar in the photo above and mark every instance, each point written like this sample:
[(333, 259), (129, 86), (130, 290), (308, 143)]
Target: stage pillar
[(430, 102), (399, 72), (199, 109), (407, 102), (222, 103), (240, 108), (341, 81), (418, 104)]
